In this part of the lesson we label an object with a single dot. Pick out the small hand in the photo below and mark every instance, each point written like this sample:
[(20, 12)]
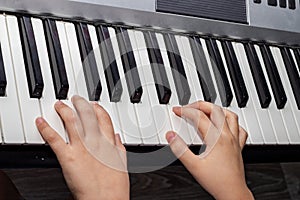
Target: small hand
[(94, 162), (220, 168)]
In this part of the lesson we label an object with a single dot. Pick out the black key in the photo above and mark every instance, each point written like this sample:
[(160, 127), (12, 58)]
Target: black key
[(297, 56), (292, 4), (292, 73), (3, 81), (89, 64), (203, 72), (178, 72), (257, 1), (58, 70), (258, 76), (275, 81), (111, 71), (234, 69), (282, 3), (129, 65), (162, 84), (272, 2), (226, 95), (31, 58)]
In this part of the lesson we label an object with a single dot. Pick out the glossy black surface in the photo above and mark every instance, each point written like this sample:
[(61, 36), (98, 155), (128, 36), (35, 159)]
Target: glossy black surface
[(111, 71), (3, 81), (274, 78), (57, 64), (258, 76), (129, 65), (88, 60), (158, 68), (31, 58), (179, 76), (222, 81)]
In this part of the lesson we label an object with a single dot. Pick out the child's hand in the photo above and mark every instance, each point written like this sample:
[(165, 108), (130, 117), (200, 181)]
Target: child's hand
[(220, 168), (94, 161)]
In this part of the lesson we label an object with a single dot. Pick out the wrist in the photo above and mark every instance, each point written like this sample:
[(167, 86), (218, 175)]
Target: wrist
[(236, 194)]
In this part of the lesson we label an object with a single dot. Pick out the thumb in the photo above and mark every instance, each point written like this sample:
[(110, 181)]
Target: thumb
[(181, 150)]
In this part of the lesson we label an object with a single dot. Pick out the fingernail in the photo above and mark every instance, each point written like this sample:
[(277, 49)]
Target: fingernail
[(176, 109), (39, 120), (171, 136), (58, 103)]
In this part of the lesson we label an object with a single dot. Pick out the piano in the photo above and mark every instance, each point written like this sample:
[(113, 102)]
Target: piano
[(139, 59)]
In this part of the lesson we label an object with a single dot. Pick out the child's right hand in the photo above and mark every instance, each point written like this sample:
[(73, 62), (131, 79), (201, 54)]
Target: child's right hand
[(220, 168)]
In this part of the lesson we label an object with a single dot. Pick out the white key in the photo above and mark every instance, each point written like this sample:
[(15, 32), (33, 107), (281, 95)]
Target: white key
[(104, 98), (274, 114), (234, 105), (160, 111), (178, 124), (193, 80), (143, 109), (253, 114), (76, 63), (290, 112), (125, 109), (30, 107), (10, 113), (48, 99)]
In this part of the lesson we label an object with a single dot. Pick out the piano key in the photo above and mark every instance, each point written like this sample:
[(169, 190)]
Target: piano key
[(192, 78), (292, 72), (3, 81), (160, 111), (225, 92), (237, 80), (203, 72), (143, 109), (31, 58), (257, 74), (217, 100), (72, 59), (178, 124), (290, 112), (106, 98), (48, 98), (273, 76), (90, 69), (178, 71), (275, 116), (272, 2), (158, 69), (292, 4), (111, 72), (234, 106), (254, 116), (297, 57), (12, 133), (125, 107), (129, 65), (57, 64), (30, 107), (282, 3)]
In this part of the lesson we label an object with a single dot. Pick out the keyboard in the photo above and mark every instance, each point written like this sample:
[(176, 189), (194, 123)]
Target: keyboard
[(138, 64)]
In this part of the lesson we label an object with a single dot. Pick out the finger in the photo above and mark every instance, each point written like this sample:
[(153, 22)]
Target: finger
[(104, 122), (87, 117), (200, 120), (233, 122), (215, 113), (56, 143), (181, 151), (71, 122), (243, 135)]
